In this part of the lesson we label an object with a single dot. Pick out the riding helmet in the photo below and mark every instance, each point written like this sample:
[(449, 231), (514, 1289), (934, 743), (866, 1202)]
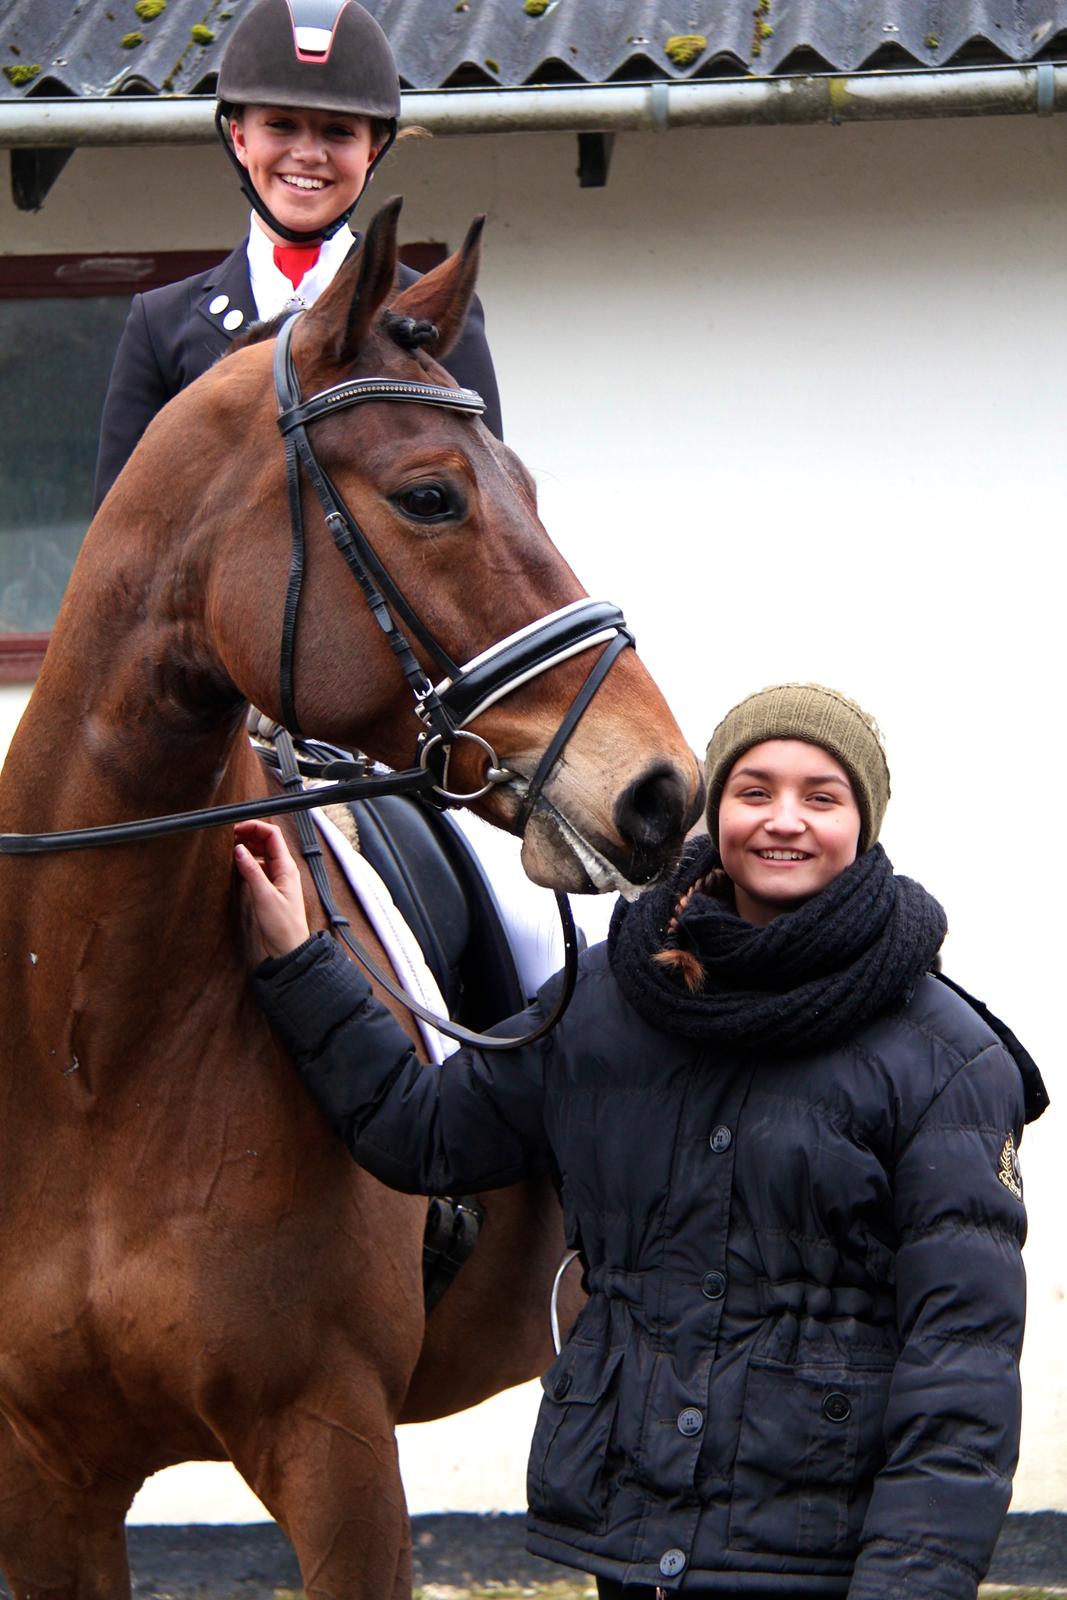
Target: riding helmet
[(325, 55)]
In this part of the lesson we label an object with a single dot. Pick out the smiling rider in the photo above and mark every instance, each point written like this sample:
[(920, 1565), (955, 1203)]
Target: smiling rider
[(308, 102)]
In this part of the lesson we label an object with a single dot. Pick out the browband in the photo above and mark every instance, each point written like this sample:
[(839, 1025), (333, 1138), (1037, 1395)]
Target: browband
[(358, 390)]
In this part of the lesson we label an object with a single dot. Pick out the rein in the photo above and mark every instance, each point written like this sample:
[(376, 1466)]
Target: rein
[(311, 850), (445, 708)]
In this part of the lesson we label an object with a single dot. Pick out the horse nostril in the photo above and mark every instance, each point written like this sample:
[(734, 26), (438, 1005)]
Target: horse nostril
[(653, 814)]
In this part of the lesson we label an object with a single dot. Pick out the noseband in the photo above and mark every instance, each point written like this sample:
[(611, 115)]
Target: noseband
[(445, 708)]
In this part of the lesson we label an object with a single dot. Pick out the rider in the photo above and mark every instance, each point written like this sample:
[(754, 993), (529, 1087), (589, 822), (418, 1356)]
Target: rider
[(788, 1154), (306, 112)]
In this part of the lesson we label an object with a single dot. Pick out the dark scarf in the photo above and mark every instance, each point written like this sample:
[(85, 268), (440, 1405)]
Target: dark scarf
[(812, 977)]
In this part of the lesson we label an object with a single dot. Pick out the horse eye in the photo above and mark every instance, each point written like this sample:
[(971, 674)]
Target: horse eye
[(425, 501)]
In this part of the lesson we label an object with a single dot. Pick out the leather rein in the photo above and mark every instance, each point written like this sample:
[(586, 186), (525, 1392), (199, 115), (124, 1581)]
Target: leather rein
[(445, 708)]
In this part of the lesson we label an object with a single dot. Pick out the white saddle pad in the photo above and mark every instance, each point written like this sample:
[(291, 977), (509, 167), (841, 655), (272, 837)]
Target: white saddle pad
[(398, 941)]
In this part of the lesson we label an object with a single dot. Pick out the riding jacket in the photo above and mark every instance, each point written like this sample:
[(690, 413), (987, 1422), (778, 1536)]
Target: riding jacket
[(175, 333), (797, 1370)]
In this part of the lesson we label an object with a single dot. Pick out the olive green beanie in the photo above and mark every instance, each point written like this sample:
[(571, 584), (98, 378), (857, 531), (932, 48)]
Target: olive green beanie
[(819, 716)]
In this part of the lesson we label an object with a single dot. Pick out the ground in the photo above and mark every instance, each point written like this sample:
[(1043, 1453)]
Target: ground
[(482, 1558)]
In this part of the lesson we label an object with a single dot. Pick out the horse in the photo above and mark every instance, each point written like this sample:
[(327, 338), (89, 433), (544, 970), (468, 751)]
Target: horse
[(192, 1267)]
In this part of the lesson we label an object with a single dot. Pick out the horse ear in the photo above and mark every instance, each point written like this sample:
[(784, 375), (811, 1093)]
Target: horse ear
[(444, 294), (341, 319)]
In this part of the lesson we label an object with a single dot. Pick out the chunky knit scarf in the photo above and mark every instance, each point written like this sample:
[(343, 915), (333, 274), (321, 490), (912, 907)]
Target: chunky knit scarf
[(813, 977)]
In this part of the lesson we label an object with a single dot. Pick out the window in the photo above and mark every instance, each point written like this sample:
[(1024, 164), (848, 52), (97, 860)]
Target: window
[(60, 321)]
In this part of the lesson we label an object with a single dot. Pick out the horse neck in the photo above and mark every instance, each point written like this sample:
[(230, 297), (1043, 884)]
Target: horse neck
[(117, 731)]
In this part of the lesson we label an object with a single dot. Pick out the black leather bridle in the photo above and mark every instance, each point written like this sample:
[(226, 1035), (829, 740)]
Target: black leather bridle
[(445, 708), (463, 692)]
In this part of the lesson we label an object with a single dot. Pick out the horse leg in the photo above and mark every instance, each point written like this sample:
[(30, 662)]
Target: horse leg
[(327, 1470), (57, 1541)]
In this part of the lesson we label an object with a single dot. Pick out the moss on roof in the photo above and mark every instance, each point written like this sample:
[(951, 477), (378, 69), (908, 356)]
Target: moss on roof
[(21, 72), (683, 48)]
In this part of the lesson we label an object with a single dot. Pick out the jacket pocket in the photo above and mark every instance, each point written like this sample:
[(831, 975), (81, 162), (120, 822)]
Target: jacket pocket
[(568, 1476), (810, 1444)]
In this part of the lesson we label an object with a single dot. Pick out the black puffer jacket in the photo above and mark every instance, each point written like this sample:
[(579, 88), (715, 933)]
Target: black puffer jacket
[(797, 1370)]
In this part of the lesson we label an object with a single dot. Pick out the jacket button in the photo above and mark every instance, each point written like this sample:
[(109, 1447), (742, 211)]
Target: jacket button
[(671, 1563), (690, 1421), (837, 1407), (721, 1139), (713, 1285), (561, 1385)]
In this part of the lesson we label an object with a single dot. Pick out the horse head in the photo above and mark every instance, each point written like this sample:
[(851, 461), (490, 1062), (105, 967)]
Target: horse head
[(451, 514)]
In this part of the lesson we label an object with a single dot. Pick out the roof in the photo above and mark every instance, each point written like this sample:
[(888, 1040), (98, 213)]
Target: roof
[(102, 47)]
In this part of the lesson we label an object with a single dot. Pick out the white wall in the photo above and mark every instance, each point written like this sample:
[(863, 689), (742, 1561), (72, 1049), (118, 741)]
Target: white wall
[(794, 397)]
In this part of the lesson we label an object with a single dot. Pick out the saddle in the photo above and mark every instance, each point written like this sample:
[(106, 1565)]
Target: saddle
[(442, 893), (440, 889)]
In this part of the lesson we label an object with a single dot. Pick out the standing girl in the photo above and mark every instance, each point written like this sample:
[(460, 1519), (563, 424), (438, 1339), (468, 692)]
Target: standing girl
[(788, 1157), (308, 101)]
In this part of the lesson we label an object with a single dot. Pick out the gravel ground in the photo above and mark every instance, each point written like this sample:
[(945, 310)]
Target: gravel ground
[(454, 1554)]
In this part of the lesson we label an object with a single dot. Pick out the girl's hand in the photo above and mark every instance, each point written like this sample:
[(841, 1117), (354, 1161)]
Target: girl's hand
[(272, 889)]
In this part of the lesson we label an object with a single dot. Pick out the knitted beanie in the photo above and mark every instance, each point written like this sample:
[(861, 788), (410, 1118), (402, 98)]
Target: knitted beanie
[(819, 716)]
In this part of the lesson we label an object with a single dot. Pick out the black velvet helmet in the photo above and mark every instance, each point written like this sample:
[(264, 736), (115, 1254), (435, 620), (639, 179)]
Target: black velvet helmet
[(325, 55)]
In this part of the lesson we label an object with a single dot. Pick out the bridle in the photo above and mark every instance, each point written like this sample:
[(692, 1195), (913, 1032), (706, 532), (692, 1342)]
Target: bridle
[(445, 708), (463, 692)]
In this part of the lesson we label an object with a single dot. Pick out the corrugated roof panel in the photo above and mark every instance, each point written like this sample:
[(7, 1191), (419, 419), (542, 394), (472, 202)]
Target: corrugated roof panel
[(98, 47)]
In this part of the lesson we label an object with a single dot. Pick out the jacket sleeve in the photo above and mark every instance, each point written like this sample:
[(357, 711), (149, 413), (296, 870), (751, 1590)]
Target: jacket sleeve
[(471, 365), (473, 1123), (953, 1417), (136, 390)]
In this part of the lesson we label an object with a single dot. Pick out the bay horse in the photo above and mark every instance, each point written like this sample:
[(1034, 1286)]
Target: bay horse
[(191, 1266)]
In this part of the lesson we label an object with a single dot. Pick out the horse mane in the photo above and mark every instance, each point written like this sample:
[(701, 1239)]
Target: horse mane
[(256, 333), (407, 332)]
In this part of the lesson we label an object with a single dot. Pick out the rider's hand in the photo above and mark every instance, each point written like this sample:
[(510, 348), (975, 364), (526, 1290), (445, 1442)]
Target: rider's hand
[(272, 889)]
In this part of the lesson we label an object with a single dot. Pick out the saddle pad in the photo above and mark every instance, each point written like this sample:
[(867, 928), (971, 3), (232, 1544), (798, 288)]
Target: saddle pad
[(444, 894), (400, 837), (400, 944)]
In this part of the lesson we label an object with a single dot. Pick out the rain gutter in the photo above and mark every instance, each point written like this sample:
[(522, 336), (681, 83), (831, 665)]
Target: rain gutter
[(1037, 89)]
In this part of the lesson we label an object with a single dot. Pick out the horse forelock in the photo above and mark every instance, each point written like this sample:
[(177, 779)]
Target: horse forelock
[(406, 333), (410, 333)]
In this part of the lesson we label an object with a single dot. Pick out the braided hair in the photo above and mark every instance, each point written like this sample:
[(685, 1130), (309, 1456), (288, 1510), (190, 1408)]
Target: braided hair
[(677, 955)]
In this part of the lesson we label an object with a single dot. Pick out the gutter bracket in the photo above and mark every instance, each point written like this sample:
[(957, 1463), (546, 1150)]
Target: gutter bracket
[(33, 172), (659, 105), (594, 159), (1046, 89)]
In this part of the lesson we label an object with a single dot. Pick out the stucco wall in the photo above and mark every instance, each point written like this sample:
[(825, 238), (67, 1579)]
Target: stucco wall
[(794, 398)]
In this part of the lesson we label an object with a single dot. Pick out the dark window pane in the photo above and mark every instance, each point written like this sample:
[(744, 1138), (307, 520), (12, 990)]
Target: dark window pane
[(55, 360)]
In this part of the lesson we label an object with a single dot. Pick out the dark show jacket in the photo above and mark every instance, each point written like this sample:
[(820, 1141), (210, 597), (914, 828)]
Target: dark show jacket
[(172, 337), (797, 1371)]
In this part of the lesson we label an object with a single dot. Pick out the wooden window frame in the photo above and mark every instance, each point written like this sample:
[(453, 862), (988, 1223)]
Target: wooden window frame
[(64, 277)]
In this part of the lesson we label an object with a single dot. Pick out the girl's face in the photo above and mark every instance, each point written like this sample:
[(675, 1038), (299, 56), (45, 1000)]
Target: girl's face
[(307, 166), (788, 824)]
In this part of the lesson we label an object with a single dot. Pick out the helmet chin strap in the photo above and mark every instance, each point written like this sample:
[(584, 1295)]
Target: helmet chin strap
[(263, 211)]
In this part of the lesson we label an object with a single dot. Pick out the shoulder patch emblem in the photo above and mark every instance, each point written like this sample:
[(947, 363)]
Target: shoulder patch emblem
[(1008, 1168)]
